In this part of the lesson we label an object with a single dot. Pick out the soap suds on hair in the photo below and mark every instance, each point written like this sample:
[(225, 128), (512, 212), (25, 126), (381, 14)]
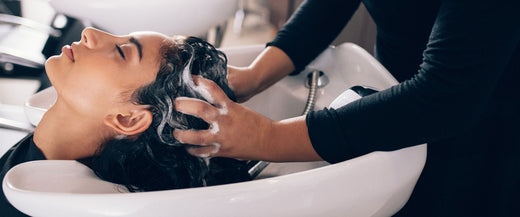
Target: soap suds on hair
[(186, 76), (188, 80), (121, 136), (203, 91), (165, 117), (203, 155)]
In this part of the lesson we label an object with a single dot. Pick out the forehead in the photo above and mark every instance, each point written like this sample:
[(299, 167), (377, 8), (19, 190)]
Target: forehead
[(151, 43), (148, 34)]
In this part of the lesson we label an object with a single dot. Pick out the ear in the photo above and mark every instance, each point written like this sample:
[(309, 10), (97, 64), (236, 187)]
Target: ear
[(130, 124)]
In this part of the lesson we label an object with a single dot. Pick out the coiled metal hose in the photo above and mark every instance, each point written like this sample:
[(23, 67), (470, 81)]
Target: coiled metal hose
[(258, 166)]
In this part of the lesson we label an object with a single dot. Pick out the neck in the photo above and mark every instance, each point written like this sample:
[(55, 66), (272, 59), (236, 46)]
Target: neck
[(65, 135)]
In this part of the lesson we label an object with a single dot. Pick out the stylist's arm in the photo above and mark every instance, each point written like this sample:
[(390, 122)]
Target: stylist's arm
[(239, 132), (270, 66)]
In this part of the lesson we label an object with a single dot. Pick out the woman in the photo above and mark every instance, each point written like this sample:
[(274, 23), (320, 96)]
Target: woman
[(115, 111)]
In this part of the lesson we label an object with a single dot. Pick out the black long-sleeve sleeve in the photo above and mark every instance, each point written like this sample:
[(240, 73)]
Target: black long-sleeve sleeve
[(312, 28), (470, 46)]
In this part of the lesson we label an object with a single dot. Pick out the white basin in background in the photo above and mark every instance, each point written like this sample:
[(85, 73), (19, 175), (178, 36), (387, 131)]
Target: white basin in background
[(376, 184), (171, 17)]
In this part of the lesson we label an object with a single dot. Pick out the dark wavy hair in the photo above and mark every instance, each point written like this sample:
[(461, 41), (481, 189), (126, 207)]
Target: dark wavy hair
[(155, 160)]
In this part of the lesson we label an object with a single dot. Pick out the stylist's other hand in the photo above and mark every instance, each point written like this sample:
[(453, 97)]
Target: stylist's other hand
[(241, 82), (235, 131), (270, 66)]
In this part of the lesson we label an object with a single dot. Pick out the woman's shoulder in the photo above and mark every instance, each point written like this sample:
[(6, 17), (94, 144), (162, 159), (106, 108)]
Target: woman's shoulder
[(17, 154), (23, 151)]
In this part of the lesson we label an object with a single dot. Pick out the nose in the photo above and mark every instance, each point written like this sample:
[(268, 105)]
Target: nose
[(93, 38)]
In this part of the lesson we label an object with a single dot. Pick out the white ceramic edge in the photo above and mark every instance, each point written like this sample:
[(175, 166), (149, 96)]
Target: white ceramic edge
[(34, 108), (299, 191)]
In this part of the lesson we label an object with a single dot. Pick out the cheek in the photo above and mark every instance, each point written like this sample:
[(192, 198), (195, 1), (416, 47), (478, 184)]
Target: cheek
[(95, 85), (89, 74), (91, 99), (89, 90)]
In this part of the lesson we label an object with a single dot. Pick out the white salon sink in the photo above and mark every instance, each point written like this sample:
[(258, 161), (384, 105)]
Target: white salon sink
[(376, 184), (171, 17)]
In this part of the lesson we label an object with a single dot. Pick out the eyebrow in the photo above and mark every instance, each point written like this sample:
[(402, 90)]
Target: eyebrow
[(138, 45)]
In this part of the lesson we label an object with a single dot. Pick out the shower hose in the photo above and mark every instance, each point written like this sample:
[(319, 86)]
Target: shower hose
[(256, 167)]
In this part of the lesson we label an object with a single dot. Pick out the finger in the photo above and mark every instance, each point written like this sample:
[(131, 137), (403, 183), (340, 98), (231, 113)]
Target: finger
[(203, 151), (196, 107), (218, 96), (194, 137)]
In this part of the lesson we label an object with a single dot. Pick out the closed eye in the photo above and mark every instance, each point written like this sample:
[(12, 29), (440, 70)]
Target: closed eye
[(120, 52)]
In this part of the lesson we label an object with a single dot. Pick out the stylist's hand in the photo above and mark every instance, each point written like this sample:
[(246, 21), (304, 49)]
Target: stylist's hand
[(240, 80), (235, 131), (271, 65)]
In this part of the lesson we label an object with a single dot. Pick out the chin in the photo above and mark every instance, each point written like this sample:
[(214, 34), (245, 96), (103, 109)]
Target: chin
[(51, 63), (54, 66)]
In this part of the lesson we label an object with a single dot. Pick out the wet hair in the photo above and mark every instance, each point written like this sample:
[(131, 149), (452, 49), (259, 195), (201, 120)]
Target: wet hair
[(155, 160)]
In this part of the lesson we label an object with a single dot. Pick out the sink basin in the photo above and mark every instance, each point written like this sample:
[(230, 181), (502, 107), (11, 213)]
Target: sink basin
[(171, 17), (376, 184)]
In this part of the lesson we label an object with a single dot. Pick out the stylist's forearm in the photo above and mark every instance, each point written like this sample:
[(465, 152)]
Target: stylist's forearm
[(290, 141), (270, 66)]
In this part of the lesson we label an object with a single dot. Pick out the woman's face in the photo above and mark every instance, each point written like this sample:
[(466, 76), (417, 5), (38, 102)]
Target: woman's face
[(99, 73)]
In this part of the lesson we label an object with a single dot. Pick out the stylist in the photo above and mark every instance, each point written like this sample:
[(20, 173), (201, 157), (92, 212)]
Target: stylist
[(458, 63)]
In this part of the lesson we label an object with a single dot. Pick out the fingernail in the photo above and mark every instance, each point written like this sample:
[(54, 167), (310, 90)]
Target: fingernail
[(180, 98), (195, 79), (176, 135), (216, 148), (193, 151), (178, 103)]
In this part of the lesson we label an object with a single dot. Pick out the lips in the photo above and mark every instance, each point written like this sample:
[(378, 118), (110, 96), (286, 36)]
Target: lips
[(67, 50)]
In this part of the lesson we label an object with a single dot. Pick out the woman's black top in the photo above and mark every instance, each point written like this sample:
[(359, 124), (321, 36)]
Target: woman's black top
[(458, 62), (23, 151)]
